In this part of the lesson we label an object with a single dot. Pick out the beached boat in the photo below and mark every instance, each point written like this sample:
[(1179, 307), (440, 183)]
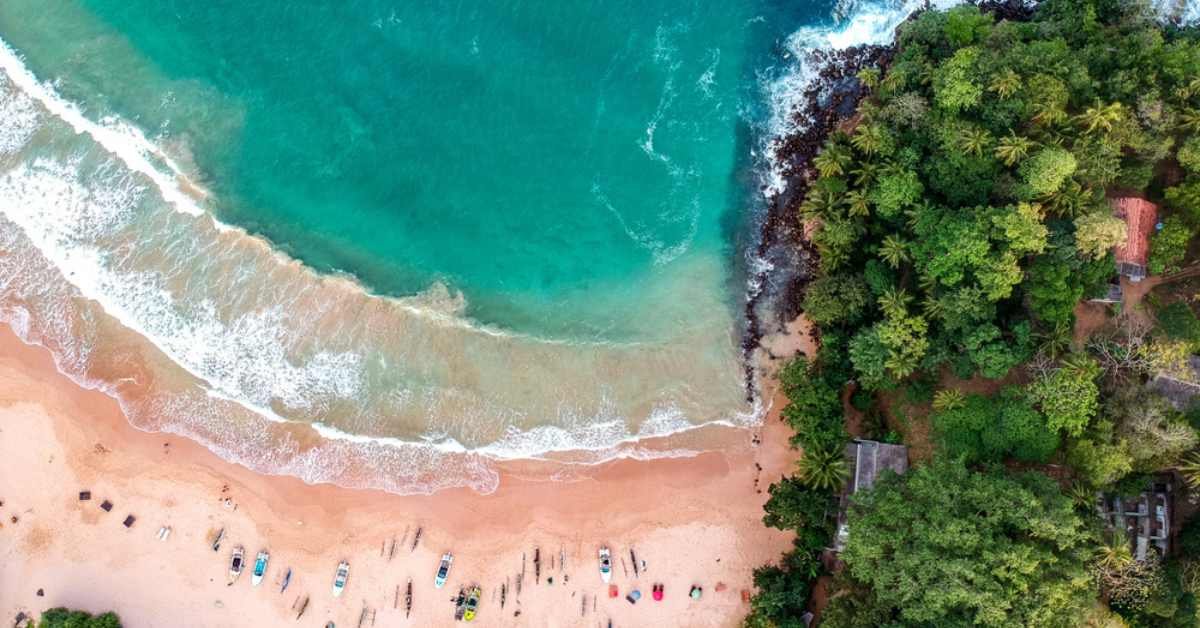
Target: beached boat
[(260, 567), (287, 579), (216, 544), (472, 604), (339, 578), (460, 604), (236, 563), (605, 564), (443, 570)]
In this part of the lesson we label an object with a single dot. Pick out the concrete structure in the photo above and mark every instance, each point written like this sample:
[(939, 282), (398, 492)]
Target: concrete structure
[(1146, 518)]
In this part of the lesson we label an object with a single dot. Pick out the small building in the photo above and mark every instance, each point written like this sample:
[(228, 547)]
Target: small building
[(1146, 518), (867, 459), (1141, 217)]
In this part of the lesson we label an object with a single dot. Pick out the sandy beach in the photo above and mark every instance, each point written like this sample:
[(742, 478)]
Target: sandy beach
[(692, 520)]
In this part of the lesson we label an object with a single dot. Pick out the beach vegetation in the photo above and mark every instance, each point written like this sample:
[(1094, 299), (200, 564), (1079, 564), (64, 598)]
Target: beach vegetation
[(962, 218), (66, 618)]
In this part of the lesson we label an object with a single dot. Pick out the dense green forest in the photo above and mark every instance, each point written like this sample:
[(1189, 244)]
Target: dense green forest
[(963, 219)]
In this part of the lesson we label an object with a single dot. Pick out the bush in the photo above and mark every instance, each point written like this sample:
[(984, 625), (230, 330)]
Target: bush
[(66, 618)]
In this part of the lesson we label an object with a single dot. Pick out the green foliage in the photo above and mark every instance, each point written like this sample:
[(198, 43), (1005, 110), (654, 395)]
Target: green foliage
[(1097, 457), (1045, 172), (944, 546), (954, 84), (894, 192), (1189, 155), (814, 410), (1069, 396), (794, 506), (1097, 233), (984, 429), (1169, 246), (836, 299), (1177, 322), (823, 469), (783, 591), (1185, 198), (66, 618)]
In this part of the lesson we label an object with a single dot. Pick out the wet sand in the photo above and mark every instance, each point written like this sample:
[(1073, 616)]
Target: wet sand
[(692, 520)]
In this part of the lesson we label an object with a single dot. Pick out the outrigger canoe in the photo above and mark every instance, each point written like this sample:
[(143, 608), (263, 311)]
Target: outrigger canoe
[(443, 570), (605, 564), (339, 578), (236, 563)]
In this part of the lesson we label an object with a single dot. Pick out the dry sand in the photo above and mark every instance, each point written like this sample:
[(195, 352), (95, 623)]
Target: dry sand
[(694, 521)]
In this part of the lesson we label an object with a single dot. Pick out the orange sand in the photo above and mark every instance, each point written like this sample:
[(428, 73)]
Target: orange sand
[(694, 521)]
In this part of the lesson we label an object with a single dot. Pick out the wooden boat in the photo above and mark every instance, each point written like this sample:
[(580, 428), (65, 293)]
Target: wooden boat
[(260, 567), (605, 564), (460, 605), (443, 570), (472, 604), (287, 579), (216, 544), (237, 563), (340, 578)]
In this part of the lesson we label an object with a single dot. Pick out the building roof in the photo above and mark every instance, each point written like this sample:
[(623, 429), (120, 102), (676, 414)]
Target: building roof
[(1140, 216), (867, 459)]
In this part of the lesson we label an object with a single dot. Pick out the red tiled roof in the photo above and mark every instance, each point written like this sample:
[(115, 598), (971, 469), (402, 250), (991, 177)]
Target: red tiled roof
[(1140, 217)]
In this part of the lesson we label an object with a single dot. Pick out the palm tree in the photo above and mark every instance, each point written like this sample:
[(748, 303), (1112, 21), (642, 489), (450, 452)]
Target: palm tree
[(974, 140), (823, 469), (1189, 120), (894, 81), (1005, 84), (869, 138), (833, 160), (1013, 148), (857, 204), (1048, 114), (1083, 496), (1069, 200), (1057, 340), (894, 251), (1189, 469), (821, 202), (1100, 117), (869, 77), (864, 175), (1114, 554), (894, 302), (948, 399), (902, 364)]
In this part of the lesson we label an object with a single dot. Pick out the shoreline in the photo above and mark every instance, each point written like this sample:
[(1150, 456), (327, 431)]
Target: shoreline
[(57, 438)]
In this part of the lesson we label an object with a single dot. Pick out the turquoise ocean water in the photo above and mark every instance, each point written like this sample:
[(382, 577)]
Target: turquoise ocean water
[(385, 243)]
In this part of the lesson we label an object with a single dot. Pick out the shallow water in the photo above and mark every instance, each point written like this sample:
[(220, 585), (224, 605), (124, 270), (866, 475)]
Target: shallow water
[(383, 243)]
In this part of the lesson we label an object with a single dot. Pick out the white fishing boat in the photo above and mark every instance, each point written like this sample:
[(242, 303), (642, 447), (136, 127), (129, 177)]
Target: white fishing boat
[(260, 567), (339, 579), (443, 570), (605, 564), (237, 563)]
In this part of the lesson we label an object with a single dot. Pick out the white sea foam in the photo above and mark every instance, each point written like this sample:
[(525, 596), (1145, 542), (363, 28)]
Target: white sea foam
[(121, 139), (856, 23)]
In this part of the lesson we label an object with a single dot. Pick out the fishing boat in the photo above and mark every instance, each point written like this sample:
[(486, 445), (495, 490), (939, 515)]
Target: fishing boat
[(339, 578), (605, 564), (472, 604), (460, 604), (287, 579), (443, 570), (216, 544), (236, 563), (260, 567)]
